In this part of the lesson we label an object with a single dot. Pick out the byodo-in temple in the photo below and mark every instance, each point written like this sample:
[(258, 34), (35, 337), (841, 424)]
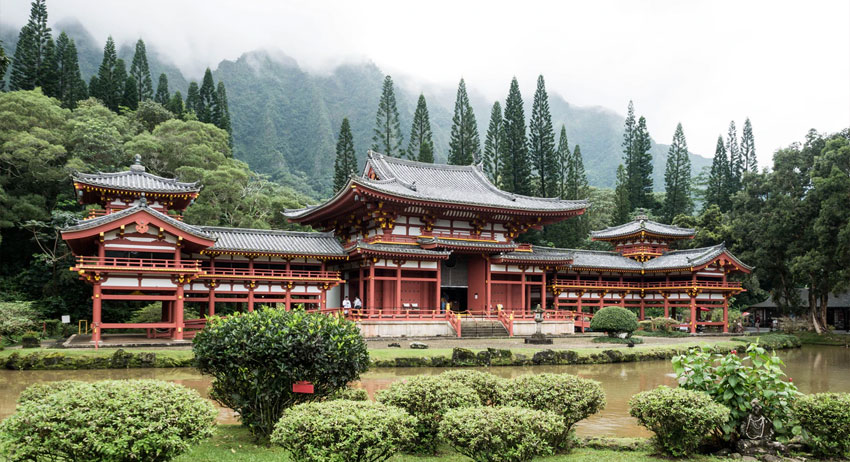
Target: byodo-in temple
[(427, 248)]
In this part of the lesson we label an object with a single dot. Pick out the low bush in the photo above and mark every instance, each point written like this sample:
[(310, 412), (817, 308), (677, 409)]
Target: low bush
[(733, 316), (255, 358), (488, 386), (40, 391), (645, 325), (661, 333), (572, 398), (681, 419), (502, 434), (343, 431), (153, 313), (350, 394), (825, 419), (618, 340), (614, 321), (428, 398), (16, 318), (772, 341), (115, 420), (664, 324), (30, 340)]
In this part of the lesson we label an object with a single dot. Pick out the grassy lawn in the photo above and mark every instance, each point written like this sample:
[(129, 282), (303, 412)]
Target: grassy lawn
[(811, 338), (233, 443), (100, 352)]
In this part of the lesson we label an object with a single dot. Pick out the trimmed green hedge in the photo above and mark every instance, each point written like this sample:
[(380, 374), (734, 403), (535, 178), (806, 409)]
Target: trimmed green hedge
[(114, 420), (350, 394), (343, 431), (618, 340), (428, 398), (825, 418), (614, 320), (502, 434), (772, 340), (121, 359), (488, 386)]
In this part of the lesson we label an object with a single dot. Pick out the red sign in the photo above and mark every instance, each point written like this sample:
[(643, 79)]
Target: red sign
[(302, 387)]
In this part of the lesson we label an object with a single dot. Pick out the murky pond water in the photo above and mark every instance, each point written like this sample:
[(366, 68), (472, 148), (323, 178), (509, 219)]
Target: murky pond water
[(813, 368)]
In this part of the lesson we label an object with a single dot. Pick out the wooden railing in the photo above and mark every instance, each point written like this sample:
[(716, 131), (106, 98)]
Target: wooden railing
[(454, 321), (395, 314), (507, 321), (646, 285), (136, 264), (95, 213), (241, 273)]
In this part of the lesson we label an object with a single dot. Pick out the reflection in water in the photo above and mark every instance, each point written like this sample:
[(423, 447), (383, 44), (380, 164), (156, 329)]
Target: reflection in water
[(813, 368)]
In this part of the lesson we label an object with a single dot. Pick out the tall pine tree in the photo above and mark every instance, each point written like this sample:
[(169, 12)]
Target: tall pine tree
[(576, 185), (622, 205), (108, 84), (175, 104), (492, 157), (421, 145), (516, 168), (207, 99), (140, 71), (677, 178), (49, 71), (29, 64), (387, 138), (4, 64), (564, 161), (345, 164), (162, 96), (120, 77), (541, 140), (639, 169), (221, 111), (193, 98), (465, 145), (735, 164), (130, 99), (70, 85), (748, 148), (717, 190)]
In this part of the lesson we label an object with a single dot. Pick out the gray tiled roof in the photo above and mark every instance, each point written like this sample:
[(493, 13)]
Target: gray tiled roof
[(689, 257), (95, 222), (398, 248), (604, 260), (465, 243), (539, 253), (642, 225), (275, 241), (452, 184), (136, 179), (841, 300)]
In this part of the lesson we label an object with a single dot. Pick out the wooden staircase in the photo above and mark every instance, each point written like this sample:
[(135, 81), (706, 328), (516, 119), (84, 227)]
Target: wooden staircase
[(477, 327)]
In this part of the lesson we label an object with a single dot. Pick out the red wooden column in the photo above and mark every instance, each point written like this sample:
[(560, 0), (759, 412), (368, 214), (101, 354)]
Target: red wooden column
[(666, 304), (488, 303), (438, 282), (96, 301), (642, 307), (522, 292), (725, 305), (287, 304), (251, 285), (370, 297), (211, 306), (543, 291), (360, 285), (324, 300), (178, 312), (398, 287), (693, 312)]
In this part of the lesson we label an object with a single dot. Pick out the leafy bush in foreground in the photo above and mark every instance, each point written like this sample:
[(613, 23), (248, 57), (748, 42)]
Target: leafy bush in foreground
[(614, 320), (502, 434), (113, 420), (255, 358), (350, 394), (488, 386), (681, 419), (825, 418), (428, 398), (343, 431), (40, 391), (573, 398)]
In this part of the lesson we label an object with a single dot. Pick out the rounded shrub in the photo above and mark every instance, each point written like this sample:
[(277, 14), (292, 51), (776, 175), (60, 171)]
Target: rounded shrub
[(681, 419), (570, 397), (41, 390), (350, 394), (502, 434), (255, 358), (428, 398), (343, 431), (488, 386), (115, 420), (825, 419), (614, 320)]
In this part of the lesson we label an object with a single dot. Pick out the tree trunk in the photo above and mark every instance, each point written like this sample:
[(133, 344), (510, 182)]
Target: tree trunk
[(813, 308), (824, 304)]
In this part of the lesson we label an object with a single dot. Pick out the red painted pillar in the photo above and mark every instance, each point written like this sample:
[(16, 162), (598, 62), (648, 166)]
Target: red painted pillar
[(211, 304), (178, 313), (96, 301), (642, 307), (360, 285), (251, 285), (543, 290), (287, 304), (398, 287), (693, 313), (522, 292), (370, 297), (487, 282), (439, 281), (725, 313), (666, 305)]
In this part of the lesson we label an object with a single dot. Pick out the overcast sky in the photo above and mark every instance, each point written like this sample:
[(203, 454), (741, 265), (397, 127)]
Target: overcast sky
[(784, 64)]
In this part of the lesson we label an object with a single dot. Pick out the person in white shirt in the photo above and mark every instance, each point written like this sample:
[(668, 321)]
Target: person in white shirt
[(357, 303), (346, 305)]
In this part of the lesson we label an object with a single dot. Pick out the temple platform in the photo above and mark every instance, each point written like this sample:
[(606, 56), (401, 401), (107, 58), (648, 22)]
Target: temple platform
[(123, 341)]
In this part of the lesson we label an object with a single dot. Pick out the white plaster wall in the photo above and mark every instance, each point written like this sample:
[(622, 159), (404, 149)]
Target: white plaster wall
[(406, 329), (525, 328)]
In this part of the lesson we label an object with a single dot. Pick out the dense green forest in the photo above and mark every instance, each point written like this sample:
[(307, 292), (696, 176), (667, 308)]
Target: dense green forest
[(270, 136)]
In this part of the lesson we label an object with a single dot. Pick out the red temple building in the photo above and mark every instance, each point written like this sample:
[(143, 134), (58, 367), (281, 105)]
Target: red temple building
[(428, 249)]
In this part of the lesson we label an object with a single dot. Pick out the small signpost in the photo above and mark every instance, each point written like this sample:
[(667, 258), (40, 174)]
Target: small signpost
[(303, 386), (66, 319)]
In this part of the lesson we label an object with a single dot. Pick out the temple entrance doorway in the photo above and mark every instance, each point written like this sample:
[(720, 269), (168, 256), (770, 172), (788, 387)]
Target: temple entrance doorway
[(454, 286)]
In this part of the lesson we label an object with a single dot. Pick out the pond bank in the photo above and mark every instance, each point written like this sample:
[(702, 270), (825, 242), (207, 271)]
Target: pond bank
[(70, 359)]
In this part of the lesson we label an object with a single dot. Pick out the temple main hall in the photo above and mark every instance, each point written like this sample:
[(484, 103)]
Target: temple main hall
[(428, 249)]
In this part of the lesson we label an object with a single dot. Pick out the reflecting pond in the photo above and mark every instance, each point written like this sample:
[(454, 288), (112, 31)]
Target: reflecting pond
[(813, 368)]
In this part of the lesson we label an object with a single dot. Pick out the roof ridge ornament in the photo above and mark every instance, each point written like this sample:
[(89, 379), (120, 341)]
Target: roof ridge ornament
[(137, 165)]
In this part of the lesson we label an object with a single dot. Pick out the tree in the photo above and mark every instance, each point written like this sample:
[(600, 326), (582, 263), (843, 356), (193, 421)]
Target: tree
[(206, 99), (141, 73), (465, 146), (345, 164), (492, 158), (28, 65), (564, 162), (421, 145), (748, 148), (622, 207), (677, 178), (4, 64), (387, 139), (639, 167), (576, 185), (221, 112), (516, 168), (735, 164), (70, 85), (717, 190), (120, 77), (541, 141), (162, 96), (131, 93), (108, 85), (175, 104), (629, 138), (193, 98)]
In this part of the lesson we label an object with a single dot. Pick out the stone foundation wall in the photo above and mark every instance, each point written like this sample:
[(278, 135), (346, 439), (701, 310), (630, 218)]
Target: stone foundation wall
[(527, 328), (372, 329)]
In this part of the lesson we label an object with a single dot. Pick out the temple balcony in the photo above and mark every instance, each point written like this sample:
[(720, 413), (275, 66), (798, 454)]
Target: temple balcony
[(656, 286), (135, 265), (97, 213), (270, 274)]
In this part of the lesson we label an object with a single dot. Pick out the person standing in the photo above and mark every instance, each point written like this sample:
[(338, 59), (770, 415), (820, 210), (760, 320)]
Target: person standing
[(346, 305), (358, 305)]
